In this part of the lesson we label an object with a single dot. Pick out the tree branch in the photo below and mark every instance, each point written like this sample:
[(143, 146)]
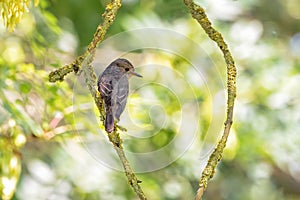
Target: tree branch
[(198, 13), (108, 18), (83, 63)]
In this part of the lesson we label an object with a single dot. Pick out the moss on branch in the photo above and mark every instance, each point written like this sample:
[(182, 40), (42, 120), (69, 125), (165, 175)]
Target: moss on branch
[(198, 13)]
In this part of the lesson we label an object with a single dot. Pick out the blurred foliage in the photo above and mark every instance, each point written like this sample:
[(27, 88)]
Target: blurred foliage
[(12, 11), (50, 131)]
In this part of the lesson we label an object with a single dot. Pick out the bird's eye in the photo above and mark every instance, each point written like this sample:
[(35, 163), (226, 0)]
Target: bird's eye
[(126, 69)]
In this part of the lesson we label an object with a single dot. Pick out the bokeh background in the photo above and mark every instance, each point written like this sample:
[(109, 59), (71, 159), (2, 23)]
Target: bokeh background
[(53, 147)]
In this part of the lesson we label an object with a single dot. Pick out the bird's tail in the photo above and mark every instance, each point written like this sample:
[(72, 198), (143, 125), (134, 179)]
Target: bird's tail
[(109, 122)]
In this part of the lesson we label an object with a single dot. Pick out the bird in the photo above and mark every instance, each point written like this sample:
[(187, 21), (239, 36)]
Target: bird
[(113, 86)]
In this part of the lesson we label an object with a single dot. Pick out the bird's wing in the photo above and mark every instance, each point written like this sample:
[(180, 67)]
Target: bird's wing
[(121, 96), (105, 87)]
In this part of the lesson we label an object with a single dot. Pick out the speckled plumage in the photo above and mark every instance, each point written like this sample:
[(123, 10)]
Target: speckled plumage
[(113, 86)]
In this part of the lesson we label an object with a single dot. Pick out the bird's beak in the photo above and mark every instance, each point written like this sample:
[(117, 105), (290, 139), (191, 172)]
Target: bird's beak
[(136, 74)]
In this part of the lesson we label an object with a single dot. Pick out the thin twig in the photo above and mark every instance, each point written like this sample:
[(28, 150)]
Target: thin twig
[(108, 18), (83, 63), (198, 13), (114, 137)]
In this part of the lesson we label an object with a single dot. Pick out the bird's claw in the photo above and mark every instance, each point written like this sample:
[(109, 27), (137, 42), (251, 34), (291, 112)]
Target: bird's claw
[(121, 128)]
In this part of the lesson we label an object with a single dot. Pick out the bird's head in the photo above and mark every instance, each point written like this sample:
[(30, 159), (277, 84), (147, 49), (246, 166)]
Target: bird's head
[(126, 67)]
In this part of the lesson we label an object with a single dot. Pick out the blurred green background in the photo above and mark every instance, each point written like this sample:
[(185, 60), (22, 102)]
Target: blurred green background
[(52, 146)]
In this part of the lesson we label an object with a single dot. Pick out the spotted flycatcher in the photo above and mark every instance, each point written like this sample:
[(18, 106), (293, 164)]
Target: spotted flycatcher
[(113, 86)]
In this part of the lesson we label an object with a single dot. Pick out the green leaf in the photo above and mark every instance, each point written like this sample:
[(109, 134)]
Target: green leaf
[(25, 87)]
